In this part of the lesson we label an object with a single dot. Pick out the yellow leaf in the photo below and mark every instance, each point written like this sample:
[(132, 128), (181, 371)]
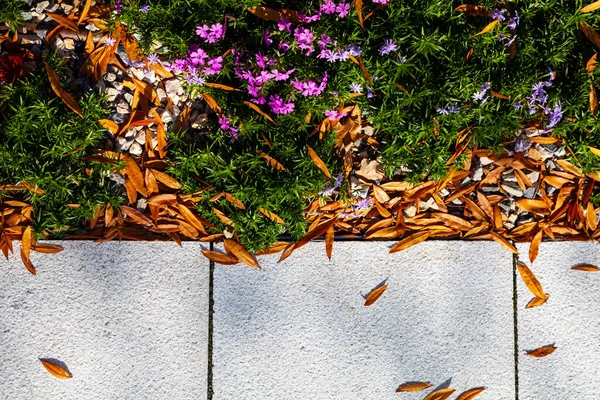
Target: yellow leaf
[(64, 96), (220, 258), (413, 387), (241, 253), (86, 9), (585, 267), (538, 301), (530, 280), (488, 28), (375, 295), (440, 394), (470, 394), (55, 369), (318, 162), (409, 241), (258, 110), (541, 352), (591, 7)]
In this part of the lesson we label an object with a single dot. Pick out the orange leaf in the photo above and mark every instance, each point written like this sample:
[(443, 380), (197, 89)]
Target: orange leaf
[(530, 280), (413, 386), (591, 7), (441, 394), (585, 267), (329, 241), (65, 22), (47, 248), (271, 215), (64, 96), (85, 11), (240, 252), (55, 369), (504, 243), (222, 87), (167, 180), (591, 34), (535, 246), (472, 10), (220, 258), (318, 162), (488, 27), (358, 6), (541, 352), (538, 301), (258, 110), (470, 394), (411, 240), (375, 295)]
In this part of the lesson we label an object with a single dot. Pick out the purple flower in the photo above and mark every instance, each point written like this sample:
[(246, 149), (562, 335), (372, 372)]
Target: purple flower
[(279, 106), (110, 41), (342, 9), (284, 23), (388, 47), (497, 14), (267, 37), (356, 88), (514, 21), (442, 111), (145, 9), (555, 115), (212, 33), (328, 7), (153, 59), (334, 115)]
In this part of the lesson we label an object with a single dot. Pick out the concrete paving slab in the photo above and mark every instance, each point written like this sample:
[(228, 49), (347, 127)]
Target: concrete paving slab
[(299, 330), (570, 320), (130, 321)]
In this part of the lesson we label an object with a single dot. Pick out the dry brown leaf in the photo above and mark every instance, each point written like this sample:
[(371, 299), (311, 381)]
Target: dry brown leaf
[(258, 110), (271, 215), (375, 294), (411, 240), (329, 241), (318, 162), (84, 12), (440, 394), (64, 96), (591, 34), (488, 27), (532, 283), (541, 352), (585, 267), (220, 258), (413, 387), (591, 7), (470, 394), (64, 22), (534, 248), (538, 301), (472, 10), (46, 248), (241, 253), (504, 243), (57, 370)]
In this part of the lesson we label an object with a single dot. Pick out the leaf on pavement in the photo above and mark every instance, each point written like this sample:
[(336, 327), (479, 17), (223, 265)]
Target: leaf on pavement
[(530, 280), (56, 369), (541, 352), (413, 386), (375, 295)]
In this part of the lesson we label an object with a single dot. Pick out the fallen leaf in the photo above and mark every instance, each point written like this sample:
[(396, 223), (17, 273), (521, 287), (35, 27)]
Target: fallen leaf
[(541, 352), (318, 162), (591, 7), (535, 246), (470, 394), (532, 283), (538, 301), (413, 387), (220, 258), (585, 267), (488, 27), (55, 369), (440, 394), (409, 241), (375, 295), (64, 96), (241, 253)]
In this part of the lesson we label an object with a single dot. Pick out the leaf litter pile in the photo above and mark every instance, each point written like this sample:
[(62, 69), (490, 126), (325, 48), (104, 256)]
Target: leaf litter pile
[(504, 196)]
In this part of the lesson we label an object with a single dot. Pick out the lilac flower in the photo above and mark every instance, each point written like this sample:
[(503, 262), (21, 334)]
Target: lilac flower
[(153, 59), (342, 10), (328, 7), (334, 115), (110, 41), (145, 9), (284, 24), (363, 204), (224, 121), (356, 88), (212, 33), (118, 7), (388, 47), (555, 115), (442, 111), (267, 37), (496, 14), (279, 106), (514, 21)]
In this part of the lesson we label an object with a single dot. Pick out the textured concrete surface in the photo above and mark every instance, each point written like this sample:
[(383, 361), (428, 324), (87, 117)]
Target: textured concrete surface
[(128, 319), (299, 330), (570, 320)]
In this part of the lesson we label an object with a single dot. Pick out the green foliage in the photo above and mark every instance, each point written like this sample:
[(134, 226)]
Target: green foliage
[(10, 13), (42, 143)]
